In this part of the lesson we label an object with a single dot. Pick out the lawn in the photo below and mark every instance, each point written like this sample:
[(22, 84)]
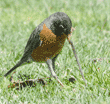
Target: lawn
[(91, 38)]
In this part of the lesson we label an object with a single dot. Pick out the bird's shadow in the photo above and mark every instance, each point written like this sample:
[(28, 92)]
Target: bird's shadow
[(30, 82)]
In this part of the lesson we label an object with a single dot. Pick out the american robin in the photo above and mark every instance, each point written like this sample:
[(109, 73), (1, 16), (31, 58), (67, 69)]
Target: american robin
[(46, 41)]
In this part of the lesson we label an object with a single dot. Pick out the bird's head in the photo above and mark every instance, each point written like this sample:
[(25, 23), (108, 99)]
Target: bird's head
[(60, 23)]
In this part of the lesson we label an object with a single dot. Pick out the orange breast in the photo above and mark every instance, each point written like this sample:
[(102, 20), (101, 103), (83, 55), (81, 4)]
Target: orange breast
[(51, 45)]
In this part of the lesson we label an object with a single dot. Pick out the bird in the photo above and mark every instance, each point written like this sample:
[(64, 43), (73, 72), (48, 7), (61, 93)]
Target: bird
[(46, 42)]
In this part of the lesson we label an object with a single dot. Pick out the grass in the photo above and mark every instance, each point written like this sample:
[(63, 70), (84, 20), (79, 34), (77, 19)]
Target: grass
[(91, 39)]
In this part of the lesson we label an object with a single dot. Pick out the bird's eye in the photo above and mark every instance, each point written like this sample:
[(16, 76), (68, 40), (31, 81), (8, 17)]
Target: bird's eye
[(61, 26)]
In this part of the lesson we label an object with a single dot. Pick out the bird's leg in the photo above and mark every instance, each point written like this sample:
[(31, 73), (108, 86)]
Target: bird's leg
[(53, 62), (50, 66)]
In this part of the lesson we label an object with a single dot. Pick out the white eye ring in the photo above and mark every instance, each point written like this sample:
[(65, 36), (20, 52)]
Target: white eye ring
[(62, 26)]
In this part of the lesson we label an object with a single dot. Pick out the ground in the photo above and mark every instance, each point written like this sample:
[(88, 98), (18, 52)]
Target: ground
[(91, 39)]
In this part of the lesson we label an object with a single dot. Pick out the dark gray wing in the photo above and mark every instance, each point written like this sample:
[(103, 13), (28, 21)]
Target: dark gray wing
[(33, 42)]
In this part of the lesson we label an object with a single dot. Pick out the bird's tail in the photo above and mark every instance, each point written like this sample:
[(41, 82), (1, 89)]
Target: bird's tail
[(17, 65)]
